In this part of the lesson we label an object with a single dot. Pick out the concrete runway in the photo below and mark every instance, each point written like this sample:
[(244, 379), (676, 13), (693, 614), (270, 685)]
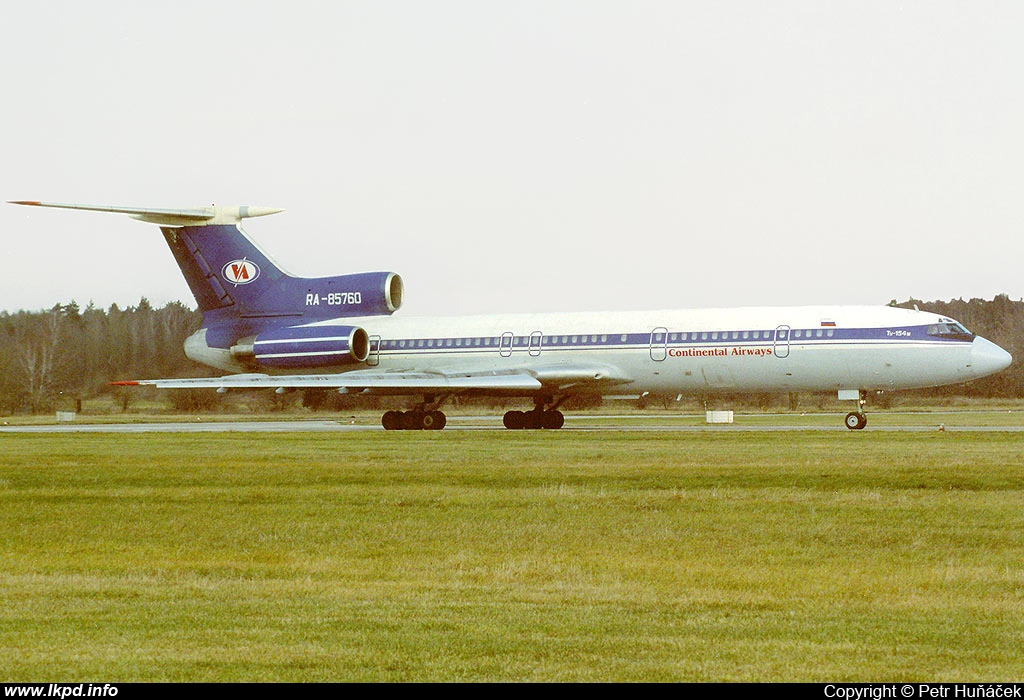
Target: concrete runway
[(573, 424)]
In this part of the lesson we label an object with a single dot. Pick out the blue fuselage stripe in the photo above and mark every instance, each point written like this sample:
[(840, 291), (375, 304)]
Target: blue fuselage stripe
[(661, 339)]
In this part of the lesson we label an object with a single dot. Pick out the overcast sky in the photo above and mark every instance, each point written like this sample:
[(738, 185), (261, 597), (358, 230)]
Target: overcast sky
[(525, 156)]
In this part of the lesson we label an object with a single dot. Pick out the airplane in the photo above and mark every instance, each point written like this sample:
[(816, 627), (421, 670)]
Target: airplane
[(269, 329)]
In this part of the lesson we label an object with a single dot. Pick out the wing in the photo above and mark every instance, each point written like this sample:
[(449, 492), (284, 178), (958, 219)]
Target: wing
[(583, 378)]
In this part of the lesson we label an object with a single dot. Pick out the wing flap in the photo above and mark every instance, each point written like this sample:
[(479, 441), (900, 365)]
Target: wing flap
[(583, 375), (554, 378), (359, 380)]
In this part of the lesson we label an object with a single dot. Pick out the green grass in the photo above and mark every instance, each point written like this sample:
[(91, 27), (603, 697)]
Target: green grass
[(802, 556)]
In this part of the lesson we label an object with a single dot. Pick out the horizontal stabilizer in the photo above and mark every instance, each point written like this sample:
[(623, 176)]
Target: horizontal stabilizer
[(200, 216)]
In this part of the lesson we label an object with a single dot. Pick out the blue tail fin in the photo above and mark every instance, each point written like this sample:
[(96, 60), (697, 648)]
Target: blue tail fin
[(229, 275), (239, 289), (224, 268)]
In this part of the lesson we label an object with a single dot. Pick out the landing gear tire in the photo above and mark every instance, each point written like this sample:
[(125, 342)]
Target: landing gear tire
[(514, 420), (391, 420), (412, 420), (856, 421), (552, 420), (433, 420)]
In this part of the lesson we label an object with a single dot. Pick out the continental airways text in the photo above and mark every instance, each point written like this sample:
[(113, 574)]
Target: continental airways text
[(719, 352)]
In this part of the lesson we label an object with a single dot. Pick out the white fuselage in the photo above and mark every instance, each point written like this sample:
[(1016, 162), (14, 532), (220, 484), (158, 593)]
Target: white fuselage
[(779, 349)]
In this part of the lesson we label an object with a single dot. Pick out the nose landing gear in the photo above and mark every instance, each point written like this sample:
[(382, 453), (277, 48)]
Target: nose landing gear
[(855, 420)]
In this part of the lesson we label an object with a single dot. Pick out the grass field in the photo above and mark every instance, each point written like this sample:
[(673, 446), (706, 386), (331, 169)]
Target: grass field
[(513, 556)]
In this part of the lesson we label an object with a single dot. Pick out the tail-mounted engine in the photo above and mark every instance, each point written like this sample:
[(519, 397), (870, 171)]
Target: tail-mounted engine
[(360, 294), (304, 347), (246, 340)]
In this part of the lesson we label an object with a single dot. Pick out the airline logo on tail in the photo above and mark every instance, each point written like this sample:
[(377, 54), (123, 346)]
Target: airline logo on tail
[(241, 272)]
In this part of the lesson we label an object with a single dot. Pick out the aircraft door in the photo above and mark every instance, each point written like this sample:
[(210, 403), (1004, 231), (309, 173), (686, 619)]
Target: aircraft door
[(373, 357), (659, 344), (505, 348), (536, 339), (781, 344)]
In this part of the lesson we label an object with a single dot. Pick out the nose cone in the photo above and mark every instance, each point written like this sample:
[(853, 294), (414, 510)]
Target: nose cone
[(987, 357)]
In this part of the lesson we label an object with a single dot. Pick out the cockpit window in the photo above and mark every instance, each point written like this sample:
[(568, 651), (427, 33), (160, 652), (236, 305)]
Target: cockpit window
[(950, 331)]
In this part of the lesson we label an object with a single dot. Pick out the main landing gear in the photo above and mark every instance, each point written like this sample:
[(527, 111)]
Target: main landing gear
[(545, 414), (855, 420), (423, 417), (413, 420), (533, 420)]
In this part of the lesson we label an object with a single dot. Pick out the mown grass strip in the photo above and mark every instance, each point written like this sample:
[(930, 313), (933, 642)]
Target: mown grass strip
[(495, 556)]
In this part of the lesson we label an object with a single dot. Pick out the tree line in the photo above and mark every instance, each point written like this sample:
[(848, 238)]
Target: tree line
[(52, 359), (1000, 320)]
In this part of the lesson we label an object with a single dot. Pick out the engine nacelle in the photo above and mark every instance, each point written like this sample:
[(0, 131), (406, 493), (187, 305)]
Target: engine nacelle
[(305, 347), (360, 294)]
